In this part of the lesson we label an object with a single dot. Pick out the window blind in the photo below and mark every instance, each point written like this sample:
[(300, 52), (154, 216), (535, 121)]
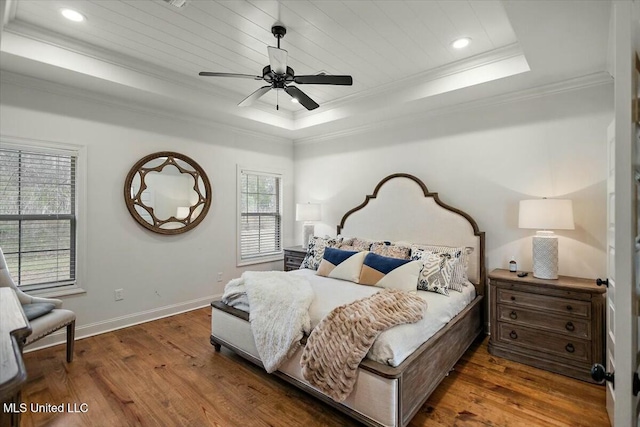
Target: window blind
[(260, 215), (38, 217)]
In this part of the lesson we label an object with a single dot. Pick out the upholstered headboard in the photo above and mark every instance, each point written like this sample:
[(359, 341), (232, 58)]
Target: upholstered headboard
[(401, 208)]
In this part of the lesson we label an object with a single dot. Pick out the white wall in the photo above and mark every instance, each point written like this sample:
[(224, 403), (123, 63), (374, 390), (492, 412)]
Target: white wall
[(483, 161), (160, 274)]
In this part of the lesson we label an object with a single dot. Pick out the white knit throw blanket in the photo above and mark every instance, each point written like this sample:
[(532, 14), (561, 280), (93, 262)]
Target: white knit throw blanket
[(342, 339), (279, 313)]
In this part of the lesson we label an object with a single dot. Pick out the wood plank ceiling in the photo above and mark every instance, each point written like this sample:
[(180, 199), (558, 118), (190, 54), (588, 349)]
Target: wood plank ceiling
[(378, 42)]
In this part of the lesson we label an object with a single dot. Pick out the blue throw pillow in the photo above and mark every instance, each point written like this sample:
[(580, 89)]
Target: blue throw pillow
[(37, 309)]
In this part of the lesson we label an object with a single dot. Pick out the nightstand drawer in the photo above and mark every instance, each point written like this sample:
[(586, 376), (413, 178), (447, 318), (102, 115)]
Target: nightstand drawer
[(293, 262), (545, 303), (548, 343), (293, 257), (534, 319)]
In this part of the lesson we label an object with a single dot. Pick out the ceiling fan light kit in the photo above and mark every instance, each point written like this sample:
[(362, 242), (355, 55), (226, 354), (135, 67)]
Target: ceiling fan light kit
[(279, 76)]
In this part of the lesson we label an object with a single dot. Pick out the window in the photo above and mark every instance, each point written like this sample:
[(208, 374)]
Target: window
[(38, 216), (260, 216)]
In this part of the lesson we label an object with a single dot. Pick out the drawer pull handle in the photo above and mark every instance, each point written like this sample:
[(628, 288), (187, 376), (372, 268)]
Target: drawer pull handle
[(570, 348), (569, 308), (513, 315), (513, 298), (513, 335), (569, 326)]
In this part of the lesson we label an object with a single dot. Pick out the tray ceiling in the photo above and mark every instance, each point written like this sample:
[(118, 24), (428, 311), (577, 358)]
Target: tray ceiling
[(397, 51)]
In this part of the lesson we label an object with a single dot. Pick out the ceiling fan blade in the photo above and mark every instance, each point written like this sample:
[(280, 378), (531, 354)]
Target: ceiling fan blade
[(323, 79), (278, 60), (255, 95), (244, 76), (302, 97)]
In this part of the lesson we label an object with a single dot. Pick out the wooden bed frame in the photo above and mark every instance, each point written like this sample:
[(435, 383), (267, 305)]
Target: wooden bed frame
[(420, 373)]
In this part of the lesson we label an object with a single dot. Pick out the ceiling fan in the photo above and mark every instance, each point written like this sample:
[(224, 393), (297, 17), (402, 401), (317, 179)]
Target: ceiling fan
[(279, 76)]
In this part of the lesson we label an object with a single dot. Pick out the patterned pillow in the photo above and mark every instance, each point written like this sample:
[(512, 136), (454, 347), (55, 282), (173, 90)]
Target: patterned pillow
[(462, 253), (435, 275), (393, 273), (347, 244), (343, 265), (315, 251), (345, 241), (361, 244), (357, 244), (459, 259), (391, 250)]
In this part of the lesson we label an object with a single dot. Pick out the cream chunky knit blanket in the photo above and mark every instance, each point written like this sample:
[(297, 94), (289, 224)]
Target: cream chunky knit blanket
[(342, 339)]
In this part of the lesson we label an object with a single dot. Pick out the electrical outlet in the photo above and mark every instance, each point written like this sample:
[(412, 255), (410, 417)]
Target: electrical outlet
[(119, 294), (219, 277)]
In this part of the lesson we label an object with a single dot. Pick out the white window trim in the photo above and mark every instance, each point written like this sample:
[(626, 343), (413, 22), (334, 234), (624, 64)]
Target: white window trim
[(80, 151), (267, 258)]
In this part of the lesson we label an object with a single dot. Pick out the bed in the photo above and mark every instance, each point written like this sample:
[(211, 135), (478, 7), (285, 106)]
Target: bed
[(400, 209)]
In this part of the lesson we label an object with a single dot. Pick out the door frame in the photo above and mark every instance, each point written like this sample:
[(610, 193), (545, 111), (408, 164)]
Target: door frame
[(625, 27)]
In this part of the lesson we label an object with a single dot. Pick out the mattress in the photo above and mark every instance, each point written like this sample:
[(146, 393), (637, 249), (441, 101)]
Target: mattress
[(374, 396), (393, 346)]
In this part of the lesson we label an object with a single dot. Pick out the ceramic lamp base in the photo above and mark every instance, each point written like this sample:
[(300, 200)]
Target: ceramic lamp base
[(545, 255), (307, 233)]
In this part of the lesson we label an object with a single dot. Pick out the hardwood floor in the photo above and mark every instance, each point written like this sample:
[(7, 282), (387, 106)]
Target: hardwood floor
[(165, 373)]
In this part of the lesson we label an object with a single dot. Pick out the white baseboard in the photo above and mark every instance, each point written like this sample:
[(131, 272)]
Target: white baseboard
[(96, 328)]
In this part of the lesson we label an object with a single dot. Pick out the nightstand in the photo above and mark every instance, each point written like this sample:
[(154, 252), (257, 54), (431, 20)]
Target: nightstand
[(556, 325), (293, 257)]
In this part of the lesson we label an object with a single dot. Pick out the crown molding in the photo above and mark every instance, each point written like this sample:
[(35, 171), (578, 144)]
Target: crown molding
[(374, 96), (453, 68), (33, 83), (371, 95), (577, 83), (38, 34)]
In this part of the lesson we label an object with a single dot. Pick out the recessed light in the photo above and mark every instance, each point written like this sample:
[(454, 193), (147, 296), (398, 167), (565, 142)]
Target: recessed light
[(72, 15), (295, 100), (461, 42)]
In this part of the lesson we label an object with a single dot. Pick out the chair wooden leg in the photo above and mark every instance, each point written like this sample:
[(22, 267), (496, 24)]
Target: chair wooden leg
[(71, 332)]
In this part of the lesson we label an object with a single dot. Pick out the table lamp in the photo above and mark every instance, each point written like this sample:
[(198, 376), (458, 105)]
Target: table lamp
[(546, 215), (307, 212)]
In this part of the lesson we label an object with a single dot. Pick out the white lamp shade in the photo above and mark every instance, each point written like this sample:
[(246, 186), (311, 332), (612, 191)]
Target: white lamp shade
[(546, 214), (308, 212)]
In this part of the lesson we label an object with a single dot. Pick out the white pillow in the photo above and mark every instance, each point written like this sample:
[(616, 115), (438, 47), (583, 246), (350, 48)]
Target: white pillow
[(343, 265), (388, 272)]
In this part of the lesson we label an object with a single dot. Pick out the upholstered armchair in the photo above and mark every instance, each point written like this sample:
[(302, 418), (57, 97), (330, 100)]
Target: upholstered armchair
[(45, 315)]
